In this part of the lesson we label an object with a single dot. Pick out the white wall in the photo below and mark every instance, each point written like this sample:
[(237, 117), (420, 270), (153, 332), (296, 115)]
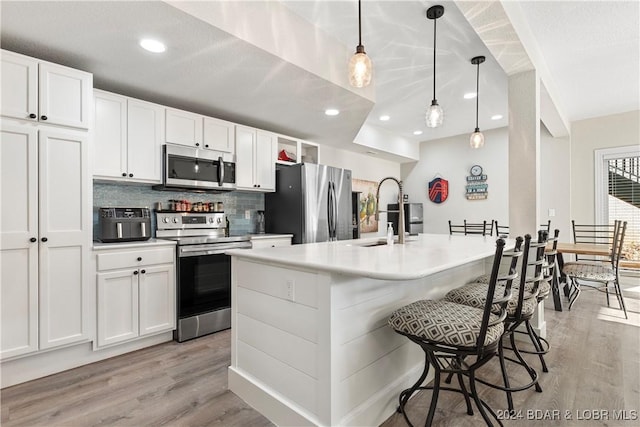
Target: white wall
[(452, 158), (368, 168), (617, 130)]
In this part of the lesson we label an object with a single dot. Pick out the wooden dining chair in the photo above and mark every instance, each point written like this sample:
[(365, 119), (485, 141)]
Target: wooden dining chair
[(501, 230), (593, 234), (484, 228), (601, 273), (456, 229)]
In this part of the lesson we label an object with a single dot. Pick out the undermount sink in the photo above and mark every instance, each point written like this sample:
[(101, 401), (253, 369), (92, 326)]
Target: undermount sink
[(370, 244)]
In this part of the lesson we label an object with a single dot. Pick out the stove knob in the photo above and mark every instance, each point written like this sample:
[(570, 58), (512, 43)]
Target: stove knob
[(165, 220), (219, 221), (210, 220), (175, 220)]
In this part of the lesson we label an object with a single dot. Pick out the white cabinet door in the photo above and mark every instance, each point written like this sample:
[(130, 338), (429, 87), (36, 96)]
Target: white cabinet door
[(219, 135), (245, 143), (109, 135), (157, 299), (18, 230), (117, 306), (183, 127), (65, 234), (145, 135), (19, 86), (64, 95), (265, 154)]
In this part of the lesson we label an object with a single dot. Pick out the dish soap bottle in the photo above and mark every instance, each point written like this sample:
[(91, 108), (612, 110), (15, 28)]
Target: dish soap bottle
[(389, 234)]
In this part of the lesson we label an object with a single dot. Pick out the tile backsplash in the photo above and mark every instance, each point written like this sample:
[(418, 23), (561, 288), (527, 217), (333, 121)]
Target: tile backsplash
[(141, 196)]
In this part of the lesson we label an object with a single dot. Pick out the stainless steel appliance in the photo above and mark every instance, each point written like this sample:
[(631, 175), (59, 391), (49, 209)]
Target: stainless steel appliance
[(124, 224), (194, 168), (413, 219), (203, 274), (312, 202)]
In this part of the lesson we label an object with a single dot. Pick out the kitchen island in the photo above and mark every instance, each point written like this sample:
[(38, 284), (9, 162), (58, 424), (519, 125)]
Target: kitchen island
[(310, 343)]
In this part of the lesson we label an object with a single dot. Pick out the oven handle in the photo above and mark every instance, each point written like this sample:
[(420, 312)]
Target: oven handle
[(198, 250)]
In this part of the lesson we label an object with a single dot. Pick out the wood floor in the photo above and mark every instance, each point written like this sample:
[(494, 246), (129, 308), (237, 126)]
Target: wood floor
[(594, 367)]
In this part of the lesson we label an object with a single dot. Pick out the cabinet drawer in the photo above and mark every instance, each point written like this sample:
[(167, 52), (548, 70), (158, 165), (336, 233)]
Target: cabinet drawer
[(270, 243), (134, 258)]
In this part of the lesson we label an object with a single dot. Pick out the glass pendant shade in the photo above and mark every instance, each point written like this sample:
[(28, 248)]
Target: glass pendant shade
[(360, 68), (435, 115), (477, 139)]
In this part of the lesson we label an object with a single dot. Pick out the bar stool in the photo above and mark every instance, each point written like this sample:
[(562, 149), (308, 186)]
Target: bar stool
[(449, 333), (520, 308)]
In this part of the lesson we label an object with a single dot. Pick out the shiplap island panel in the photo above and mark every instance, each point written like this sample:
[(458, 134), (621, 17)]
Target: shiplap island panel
[(310, 343)]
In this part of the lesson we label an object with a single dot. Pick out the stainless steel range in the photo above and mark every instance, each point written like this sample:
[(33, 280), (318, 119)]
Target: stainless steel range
[(203, 274)]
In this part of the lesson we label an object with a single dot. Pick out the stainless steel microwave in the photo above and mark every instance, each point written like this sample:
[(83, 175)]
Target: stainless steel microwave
[(196, 168)]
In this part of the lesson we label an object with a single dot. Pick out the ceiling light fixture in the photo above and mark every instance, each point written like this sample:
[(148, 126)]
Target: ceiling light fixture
[(331, 112), (477, 138), (360, 67), (434, 115), (417, 132), (470, 95), (152, 45), (385, 118), (496, 117)]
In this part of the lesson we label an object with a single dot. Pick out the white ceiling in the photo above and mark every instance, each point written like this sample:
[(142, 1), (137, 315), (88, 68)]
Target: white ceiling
[(590, 48)]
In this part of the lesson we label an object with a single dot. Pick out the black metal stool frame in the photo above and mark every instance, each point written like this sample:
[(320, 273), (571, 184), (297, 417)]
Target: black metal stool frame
[(451, 360)]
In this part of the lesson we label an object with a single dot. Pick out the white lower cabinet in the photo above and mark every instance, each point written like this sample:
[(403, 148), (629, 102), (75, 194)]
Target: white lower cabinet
[(265, 241), (136, 294)]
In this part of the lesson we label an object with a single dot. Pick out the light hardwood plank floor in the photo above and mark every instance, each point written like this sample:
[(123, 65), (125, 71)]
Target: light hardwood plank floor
[(594, 367)]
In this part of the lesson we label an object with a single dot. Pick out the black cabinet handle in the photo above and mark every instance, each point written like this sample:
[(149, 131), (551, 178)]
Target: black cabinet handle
[(206, 146), (130, 175), (143, 271), (197, 144), (43, 117), (33, 240), (139, 258), (124, 174), (32, 116), (135, 273), (44, 239)]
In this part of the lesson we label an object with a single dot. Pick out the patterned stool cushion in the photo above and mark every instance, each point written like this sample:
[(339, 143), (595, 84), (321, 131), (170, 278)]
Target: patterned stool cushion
[(544, 288), (590, 271), (475, 295), (444, 323)]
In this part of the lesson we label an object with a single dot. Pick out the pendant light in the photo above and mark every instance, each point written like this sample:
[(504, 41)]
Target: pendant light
[(360, 66), (477, 138), (434, 115)]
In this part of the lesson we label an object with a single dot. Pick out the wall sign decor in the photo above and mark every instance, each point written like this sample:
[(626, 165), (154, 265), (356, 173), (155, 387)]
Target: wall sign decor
[(477, 184), (367, 204), (438, 190)]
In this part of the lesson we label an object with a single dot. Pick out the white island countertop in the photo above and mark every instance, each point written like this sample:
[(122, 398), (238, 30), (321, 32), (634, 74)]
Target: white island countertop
[(418, 257)]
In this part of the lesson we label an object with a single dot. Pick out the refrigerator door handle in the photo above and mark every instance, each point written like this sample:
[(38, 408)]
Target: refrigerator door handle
[(330, 211), (333, 208)]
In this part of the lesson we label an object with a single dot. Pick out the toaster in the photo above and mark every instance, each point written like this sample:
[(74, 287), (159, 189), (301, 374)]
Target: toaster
[(124, 224)]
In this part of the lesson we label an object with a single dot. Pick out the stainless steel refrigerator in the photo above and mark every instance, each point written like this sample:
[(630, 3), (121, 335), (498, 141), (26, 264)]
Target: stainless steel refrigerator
[(312, 202)]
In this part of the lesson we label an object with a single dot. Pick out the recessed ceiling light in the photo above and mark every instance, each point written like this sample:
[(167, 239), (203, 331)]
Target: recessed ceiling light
[(417, 132), (470, 95), (152, 45), (496, 117), (331, 112), (384, 118)]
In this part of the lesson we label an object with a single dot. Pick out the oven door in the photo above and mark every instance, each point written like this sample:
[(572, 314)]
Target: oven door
[(204, 278), (185, 167)]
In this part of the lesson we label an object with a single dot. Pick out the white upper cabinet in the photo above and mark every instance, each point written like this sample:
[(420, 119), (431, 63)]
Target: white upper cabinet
[(36, 90), (128, 137), (194, 130), (255, 164)]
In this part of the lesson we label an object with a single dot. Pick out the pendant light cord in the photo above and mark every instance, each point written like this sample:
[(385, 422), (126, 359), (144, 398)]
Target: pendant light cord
[(477, 93), (434, 58), (359, 25)]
